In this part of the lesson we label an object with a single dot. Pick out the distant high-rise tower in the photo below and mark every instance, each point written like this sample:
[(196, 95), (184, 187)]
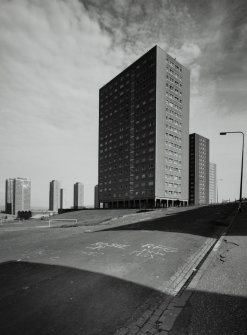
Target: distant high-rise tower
[(9, 196), (144, 134), (18, 195), (61, 198), (96, 196), (54, 199), (78, 195), (199, 170), (212, 183)]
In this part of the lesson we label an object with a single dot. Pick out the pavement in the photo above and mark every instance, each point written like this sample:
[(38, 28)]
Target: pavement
[(217, 302), (127, 276)]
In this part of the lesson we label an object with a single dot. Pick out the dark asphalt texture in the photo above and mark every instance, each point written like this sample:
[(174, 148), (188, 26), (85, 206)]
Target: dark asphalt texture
[(49, 299), (69, 282)]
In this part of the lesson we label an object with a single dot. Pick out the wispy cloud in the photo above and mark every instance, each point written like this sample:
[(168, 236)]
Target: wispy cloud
[(207, 36)]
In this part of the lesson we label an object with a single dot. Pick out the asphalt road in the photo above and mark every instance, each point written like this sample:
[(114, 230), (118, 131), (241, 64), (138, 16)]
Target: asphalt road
[(67, 281)]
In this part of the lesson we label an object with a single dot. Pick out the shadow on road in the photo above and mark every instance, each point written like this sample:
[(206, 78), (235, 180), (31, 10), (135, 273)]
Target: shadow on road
[(49, 299), (240, 228), (202, 221), (41, 299), (212, 313)]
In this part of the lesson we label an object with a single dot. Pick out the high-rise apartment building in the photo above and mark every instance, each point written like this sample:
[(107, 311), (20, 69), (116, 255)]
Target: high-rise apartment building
[(212, 183), (78, 195), (199, 170), (96, 196), (54, 198), (61, 198), (17, 195), (144, 134), (9, 196)]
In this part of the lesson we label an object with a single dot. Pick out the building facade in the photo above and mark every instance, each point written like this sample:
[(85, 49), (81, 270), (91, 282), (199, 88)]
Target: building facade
[(54, 196), (144, 134), (96, 196), (198, 170), (78, 195), (17, 195), (9, 196), (61, 198), (212, 183)]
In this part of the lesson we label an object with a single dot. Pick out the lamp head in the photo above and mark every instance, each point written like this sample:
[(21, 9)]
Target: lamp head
[(223, 133)]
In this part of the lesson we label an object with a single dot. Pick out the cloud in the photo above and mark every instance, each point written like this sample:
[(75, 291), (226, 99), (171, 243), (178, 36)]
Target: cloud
[(207, 36), (53, 60), (55, 55), (133, 24)]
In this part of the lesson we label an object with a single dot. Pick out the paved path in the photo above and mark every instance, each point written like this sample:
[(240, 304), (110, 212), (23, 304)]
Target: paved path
[(67, 281), (218, 301)]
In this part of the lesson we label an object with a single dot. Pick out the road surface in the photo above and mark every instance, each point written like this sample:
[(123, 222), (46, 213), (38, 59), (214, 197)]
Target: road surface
[(78, 281)]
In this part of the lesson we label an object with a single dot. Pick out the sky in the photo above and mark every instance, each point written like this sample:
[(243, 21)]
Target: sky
[(55, 55)]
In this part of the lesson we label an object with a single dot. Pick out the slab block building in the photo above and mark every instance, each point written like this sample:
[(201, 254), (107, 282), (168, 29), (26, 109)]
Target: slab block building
[(212, 183), (78, 195), (144, 134), (54, 196), (96, 196), (17, 195), (61, 198), (199, 170)]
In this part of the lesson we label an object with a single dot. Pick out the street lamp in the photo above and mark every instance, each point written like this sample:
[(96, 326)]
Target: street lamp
[(241, 178)]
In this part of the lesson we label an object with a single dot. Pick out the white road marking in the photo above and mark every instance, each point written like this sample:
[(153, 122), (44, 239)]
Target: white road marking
[(103, 245), (151, 251), (148, 250)]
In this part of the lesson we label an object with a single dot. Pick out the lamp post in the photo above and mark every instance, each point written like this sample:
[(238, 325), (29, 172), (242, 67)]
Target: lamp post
[(241, 178)]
